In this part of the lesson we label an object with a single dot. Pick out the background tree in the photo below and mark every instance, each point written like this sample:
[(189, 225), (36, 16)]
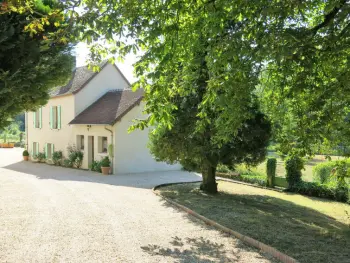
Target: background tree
[(34, 53)]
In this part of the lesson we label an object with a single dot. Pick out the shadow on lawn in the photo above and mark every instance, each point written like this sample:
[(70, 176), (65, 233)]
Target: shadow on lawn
[(196, 250), (300, 232)]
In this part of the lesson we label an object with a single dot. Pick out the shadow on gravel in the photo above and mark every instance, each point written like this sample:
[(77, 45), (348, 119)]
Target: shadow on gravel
[(195, 250), (145, 180)]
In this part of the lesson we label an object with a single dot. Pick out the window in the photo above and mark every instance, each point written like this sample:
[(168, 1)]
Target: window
[(55, 117), (102, 144), (80, 142), (49, 149), (35, 149), (37, 118)]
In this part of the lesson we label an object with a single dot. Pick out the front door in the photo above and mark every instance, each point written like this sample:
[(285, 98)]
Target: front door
[(91, 150)]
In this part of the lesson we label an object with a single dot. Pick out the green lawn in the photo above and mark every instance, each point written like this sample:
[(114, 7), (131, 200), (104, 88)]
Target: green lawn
[(308, 229), (307, 173)]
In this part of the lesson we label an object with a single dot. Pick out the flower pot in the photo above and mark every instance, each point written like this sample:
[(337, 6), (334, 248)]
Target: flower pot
[(25, 158), (105, 170)]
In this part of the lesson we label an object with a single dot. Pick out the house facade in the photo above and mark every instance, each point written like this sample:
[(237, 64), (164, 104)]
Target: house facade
[(92, 112)]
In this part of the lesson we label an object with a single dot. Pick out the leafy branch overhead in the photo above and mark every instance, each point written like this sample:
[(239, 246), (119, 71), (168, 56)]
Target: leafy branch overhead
[(33, 53)]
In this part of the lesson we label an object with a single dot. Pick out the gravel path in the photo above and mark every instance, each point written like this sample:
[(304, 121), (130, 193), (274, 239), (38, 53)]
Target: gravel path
[(52, 214)]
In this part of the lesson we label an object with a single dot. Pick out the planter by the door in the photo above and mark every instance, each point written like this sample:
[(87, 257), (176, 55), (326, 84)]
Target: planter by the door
[(25, 158), (105, 165), (105, 170)]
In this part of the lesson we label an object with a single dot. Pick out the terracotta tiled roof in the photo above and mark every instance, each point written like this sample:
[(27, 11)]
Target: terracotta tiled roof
[(80, 77), (110, 108)]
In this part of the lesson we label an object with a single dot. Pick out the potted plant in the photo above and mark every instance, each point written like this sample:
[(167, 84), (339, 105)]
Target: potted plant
[(105, 165), (25, 155)]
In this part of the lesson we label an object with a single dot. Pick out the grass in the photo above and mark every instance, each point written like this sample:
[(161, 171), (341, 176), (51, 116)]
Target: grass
[(308, 229), (307, 173)]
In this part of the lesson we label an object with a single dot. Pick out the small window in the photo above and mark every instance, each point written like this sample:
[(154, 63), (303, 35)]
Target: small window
[(54, 117), (49, 150), (35, 149), (37, 119), (102, 144), (80, 142)]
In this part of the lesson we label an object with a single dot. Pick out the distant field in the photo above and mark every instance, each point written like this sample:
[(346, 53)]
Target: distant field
[(307, 173)]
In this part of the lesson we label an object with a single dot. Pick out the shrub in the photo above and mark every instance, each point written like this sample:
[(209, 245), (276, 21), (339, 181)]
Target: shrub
[(25, 153), (19, 144), (79, 159), (95, 166), (271, 171), (40, 157), (322, 172), (294, 165), (105, 162), (320, 190), (67, 163), (75, 156), (57, 158)]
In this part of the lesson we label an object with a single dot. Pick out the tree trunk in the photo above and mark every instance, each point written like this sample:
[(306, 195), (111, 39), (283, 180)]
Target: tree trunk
[(209, 184)]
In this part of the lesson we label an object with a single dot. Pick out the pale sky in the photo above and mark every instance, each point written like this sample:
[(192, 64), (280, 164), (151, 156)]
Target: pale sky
[(82, 52)]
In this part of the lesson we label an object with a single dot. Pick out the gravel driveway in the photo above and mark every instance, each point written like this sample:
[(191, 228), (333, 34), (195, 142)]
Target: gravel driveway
[(53, 214)]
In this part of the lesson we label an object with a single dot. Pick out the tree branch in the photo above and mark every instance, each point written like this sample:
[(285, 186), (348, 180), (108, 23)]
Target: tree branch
[(328, 17)]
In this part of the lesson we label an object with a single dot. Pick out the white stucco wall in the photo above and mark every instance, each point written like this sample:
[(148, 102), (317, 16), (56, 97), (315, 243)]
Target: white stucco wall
[(109, 78), (60, 138), (131, 152), (96, 131)]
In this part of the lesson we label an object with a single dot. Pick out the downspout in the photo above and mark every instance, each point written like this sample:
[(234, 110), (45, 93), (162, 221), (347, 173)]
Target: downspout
[(112, 161), (26, 129)]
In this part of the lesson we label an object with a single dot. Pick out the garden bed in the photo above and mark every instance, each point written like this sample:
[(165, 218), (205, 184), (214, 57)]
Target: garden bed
[(308, 229)]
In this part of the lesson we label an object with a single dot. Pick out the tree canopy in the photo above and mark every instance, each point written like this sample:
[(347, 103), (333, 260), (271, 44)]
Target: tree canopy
[(297, 51), (34, 55)]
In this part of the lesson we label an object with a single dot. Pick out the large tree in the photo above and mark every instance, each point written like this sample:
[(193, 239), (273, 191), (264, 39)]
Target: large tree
[(197, 151), (34, 52)]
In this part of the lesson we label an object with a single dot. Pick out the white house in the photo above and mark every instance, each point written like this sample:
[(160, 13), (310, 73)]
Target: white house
[(94, 110)]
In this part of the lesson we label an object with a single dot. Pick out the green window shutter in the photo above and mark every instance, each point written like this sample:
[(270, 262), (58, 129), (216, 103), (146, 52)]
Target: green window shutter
[(32, 149), (40, 117), (51, 117), (52, 149), (37, 147), (34, 118), (46, 150), (58, 117)]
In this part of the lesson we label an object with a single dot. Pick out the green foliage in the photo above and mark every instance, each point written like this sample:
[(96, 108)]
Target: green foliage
[(40, 157), (75, 156), (322, 173), (57, 157), (67, 163), (105, 162), (321, 190), (223, 168), (95, 166), (251, 178), (271, 165), (10, 133), (299, 59), (34, 59), (294, 165), (198, 151), (111, 151), (25, 153)]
